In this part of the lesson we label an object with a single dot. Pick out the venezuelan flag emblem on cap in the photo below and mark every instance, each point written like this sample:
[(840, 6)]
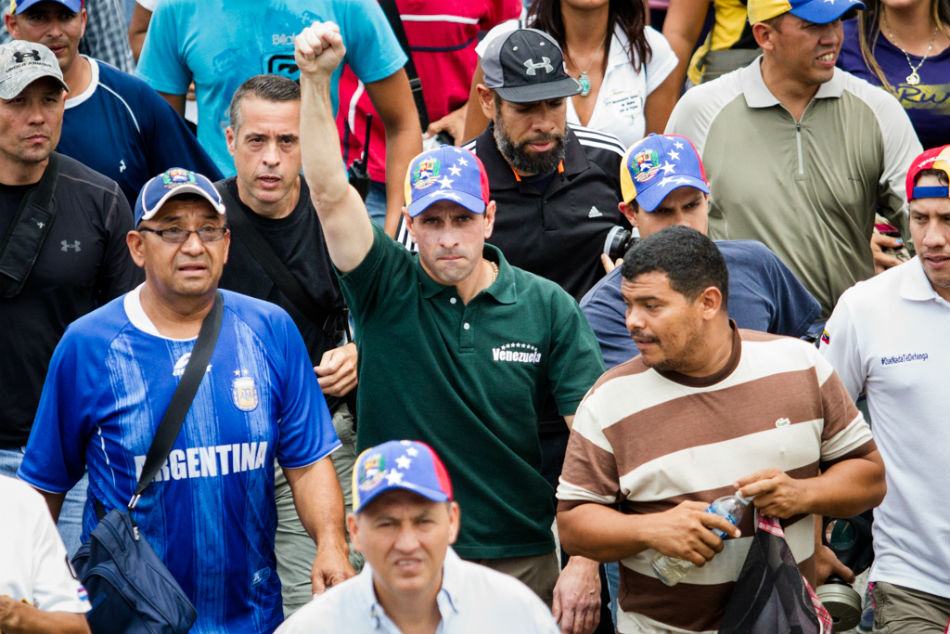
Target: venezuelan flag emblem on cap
[(446, 173), (399, 464), (658, 164)]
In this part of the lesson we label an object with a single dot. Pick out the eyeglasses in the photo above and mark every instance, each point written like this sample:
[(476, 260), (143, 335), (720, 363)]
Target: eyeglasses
[(177, 235)]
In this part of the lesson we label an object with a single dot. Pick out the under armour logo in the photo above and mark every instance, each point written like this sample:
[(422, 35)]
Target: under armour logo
[(39, 224), (121, 166), (20, 56), (65, 246), (533, 67)]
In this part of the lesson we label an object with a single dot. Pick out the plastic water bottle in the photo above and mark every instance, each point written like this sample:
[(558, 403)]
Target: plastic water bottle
[(671, 570)]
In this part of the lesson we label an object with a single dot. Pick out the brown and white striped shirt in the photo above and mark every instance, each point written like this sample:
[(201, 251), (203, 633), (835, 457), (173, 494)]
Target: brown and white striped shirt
[(648, 440)]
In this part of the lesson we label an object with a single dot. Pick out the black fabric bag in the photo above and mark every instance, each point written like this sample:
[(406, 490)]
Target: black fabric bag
[(771, 596), (130, 589)]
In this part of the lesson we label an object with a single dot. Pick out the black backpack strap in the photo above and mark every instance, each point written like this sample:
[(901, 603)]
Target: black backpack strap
[(263, 253), (415, 84), (29, 230), (181, 400)]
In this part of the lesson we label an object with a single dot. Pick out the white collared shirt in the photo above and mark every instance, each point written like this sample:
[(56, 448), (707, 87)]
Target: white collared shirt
[(473, 599), (890, 335)]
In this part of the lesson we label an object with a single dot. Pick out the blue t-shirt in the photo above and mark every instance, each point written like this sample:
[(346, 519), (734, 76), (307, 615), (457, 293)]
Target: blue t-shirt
[(221, 43), (927, 104), (763, 295), (209, 514), (123, 129)]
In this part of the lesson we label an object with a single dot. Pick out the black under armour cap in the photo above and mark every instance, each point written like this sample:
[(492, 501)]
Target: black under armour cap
[(527, 65)]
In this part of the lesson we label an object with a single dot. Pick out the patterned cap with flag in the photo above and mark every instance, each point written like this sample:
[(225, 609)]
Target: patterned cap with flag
[(446, 173), (399, 464), (937, 158), (814, 11), (174, 182), (658, 164)]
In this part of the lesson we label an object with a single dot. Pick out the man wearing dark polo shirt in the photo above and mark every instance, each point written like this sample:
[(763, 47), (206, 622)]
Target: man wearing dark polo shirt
[(457, 348)]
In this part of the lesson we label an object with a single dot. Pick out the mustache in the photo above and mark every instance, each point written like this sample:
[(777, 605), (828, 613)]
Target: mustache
[(639, 334), (541, 138)]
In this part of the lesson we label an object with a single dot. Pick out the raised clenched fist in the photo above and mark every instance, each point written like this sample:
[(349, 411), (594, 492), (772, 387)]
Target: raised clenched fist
[(318, 49)]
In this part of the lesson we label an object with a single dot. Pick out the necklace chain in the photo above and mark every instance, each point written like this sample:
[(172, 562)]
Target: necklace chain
[(494, 271), (583, 78), (913, 79)]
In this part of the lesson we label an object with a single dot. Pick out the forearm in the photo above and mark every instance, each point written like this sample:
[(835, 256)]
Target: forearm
[(320, 146), (682, 27), (175, 101), (319, 502), (847, 488), (54, 501), (602, 533), (21, 618), (402, 144), (138, 28), (660, 102), (343, 218)]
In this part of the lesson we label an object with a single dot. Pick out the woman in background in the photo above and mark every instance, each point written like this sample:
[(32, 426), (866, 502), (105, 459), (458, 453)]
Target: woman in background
[(904, 46), (623, 65)]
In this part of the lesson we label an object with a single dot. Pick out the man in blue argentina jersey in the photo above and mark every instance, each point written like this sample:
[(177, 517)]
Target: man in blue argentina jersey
[(209, 513), (114, 122)]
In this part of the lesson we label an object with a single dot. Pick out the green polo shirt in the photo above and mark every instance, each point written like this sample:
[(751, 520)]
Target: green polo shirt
[(470, 380)]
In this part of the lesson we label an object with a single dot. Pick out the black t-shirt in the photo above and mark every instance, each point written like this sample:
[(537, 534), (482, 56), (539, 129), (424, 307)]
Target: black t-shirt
[(298, 241), (83, 263)]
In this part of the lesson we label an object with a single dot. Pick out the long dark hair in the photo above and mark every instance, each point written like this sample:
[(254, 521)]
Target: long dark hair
[(631, 15), (869, 30)]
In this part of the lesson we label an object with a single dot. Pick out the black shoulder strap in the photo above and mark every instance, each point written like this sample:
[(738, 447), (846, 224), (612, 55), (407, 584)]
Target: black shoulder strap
[(264, 254), (181, 400), (415, 84), (28, 232)]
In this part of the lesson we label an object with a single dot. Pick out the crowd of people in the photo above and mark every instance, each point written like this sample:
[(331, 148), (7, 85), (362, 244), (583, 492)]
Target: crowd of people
[(499, 299)]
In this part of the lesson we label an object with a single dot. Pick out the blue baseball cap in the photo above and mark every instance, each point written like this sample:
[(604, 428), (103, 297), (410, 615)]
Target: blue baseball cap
[(20, 6), (446, 173), (658, 164), (814, 11), (399, 464), (174, 182)]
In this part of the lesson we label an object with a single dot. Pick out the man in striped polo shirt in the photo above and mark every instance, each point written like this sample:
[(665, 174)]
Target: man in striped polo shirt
[(705, 410)]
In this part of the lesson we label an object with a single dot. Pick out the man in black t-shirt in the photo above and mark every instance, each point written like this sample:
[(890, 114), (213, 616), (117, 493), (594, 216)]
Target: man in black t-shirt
[(81, 260), (275, 211)]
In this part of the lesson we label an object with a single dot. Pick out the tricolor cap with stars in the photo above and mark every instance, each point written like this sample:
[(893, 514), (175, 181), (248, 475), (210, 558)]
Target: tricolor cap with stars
[(399, 464), (814, 11), (446, 173), (937, 158), (658, 164)]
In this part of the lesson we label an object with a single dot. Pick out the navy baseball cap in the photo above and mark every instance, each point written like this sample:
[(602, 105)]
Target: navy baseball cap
[(399, 464), (20, 6), (174, 182), (526, 65)]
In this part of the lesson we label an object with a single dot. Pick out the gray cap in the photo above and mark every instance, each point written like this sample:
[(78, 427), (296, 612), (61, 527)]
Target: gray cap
[(526, 65), (22, 63)]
